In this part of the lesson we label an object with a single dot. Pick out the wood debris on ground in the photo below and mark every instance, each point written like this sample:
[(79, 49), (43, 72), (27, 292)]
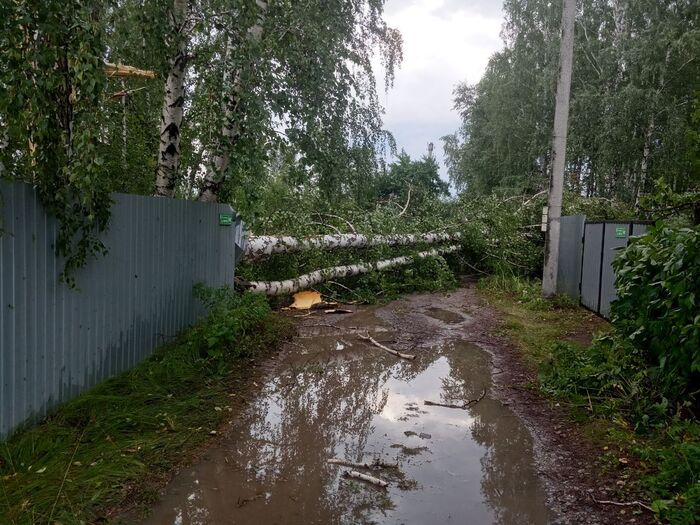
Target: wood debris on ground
[(376, 343)]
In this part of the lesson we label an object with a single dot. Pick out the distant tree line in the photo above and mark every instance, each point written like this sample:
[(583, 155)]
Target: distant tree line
[(634, 102)]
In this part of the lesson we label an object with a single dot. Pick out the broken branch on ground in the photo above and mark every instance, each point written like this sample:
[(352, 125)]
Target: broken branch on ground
[(386, 348)]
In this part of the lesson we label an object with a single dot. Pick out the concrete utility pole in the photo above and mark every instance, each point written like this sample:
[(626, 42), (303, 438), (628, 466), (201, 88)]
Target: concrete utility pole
[(561, 122)]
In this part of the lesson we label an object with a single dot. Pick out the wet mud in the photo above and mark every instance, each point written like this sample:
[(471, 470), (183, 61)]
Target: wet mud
[(496, 455), (333, 395)]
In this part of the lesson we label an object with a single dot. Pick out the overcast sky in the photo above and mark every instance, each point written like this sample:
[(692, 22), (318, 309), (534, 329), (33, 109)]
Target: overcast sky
[(445, 42)]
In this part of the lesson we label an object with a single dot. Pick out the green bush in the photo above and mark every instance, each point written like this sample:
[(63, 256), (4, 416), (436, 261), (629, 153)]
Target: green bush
[(231, 317), (658, 285)]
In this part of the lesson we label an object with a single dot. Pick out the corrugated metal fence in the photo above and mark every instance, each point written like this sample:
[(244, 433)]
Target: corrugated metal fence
[(56, 342), (586, 252)]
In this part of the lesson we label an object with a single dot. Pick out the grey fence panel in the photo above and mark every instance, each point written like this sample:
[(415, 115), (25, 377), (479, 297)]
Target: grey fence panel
[(590, 270), (638, 229), (56, 342), (612, 243), (616, 238), (570, 254)]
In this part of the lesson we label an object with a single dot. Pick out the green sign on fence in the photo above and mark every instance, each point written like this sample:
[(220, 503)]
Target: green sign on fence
[(225, 219), (620, 232)]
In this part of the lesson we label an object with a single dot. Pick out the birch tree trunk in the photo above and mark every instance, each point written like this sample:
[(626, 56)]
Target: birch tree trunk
[(649, 134), (264, 246), (231, 127), (172, 113), (619, 36), (644, 167), (310, 279), (561, 122)]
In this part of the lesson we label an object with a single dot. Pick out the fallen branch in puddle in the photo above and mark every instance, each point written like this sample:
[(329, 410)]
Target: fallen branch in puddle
[(461, 407), (338, 311), (385, 348), (621, 504), (364, 477), (378, 463)]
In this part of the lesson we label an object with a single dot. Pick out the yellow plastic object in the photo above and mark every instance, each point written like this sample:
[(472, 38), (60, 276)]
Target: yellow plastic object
[(306, 300)]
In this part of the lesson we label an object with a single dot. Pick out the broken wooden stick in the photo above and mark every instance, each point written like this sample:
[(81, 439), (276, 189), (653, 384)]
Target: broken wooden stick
[(364, 477), (386, 348), (338, 311), (623, 504), (122, 70), (461, 407), (376, 464)]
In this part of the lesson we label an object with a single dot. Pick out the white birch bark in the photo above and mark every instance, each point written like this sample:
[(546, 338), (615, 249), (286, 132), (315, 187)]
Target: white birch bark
[(649, 133), (619, 34), (302, 282), (173, 102), (561, 123), (644, 168), (365, 477), (231, 127), (264, 246)]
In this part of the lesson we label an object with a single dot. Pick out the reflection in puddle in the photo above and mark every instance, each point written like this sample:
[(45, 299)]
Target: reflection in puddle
[(345, 400)]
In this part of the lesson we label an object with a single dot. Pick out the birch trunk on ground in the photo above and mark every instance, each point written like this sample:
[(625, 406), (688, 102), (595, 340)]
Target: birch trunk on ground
[(310, 279), (264, 246), (174, 99), (231, 127), (561, 122)]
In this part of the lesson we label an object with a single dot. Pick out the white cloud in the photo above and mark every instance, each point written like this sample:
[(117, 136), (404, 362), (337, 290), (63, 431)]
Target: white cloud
[(445, 42)]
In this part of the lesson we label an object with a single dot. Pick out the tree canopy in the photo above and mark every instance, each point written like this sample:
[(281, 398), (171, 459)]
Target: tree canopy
[(636, 76), (231, 86)]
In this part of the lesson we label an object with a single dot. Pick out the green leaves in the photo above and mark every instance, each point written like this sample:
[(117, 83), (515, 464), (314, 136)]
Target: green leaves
[(55, 87), (230, 318), (658, 283), (634, 84)]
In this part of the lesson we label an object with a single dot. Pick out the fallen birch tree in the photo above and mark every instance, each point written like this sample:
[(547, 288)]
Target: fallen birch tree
[(308, 280), (264, 245)]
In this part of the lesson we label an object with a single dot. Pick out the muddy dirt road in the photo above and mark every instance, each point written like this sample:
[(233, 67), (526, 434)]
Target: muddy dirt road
[(331, 394)]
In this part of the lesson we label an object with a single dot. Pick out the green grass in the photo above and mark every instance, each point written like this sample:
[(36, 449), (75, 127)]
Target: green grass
[(114, 445), (533, 322), (607, 391)]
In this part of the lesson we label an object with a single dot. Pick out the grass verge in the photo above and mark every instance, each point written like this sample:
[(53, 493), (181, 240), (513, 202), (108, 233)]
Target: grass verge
[(114, 446), (599, 380)]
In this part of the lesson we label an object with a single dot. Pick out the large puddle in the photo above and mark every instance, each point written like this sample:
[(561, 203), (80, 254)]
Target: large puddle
[(340, 398)]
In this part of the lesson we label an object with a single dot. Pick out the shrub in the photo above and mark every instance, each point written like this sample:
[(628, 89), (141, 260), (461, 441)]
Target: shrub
[(231, 317), (658, 285)]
